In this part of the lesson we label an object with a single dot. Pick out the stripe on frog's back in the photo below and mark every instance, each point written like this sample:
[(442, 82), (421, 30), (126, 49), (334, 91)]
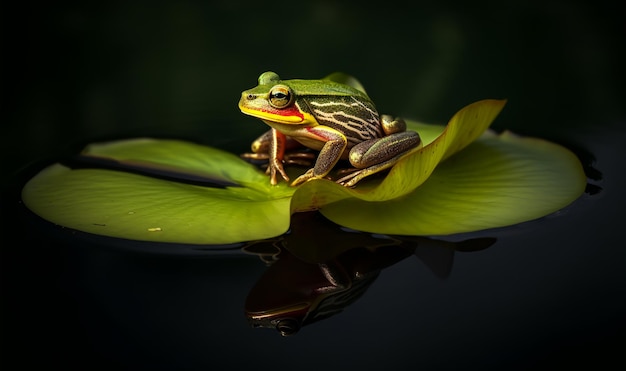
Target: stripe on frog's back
[(357, 119)]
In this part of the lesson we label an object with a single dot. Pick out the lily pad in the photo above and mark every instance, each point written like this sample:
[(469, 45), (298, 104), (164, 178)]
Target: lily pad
[(496, 181), (462, 179), (127, 205)]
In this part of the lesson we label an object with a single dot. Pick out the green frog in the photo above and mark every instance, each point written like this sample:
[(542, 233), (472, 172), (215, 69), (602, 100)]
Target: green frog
[(336, 119)]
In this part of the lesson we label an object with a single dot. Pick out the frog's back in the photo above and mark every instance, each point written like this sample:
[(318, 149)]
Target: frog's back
[(354, 116), (325, 87)]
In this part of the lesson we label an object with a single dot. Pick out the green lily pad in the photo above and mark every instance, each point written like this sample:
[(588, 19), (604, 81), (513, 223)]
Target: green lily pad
[(176, 191), (126, 205), (496, 181)]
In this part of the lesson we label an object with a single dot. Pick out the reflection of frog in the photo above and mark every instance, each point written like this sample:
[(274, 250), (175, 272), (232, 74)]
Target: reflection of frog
[(336, 119), (309, 279)]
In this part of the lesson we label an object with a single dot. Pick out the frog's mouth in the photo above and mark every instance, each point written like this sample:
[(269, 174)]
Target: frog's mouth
[(259, 109), (282, 117)]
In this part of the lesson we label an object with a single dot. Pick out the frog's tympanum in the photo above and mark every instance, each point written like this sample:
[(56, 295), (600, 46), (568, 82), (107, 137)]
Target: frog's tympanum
[(338, 120)]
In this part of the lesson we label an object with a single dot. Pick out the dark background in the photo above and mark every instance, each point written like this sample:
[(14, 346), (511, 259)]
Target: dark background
[(549, 293), (78, 72)]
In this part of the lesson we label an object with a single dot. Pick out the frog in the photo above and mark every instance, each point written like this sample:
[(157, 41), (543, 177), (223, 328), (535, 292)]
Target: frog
[(334, 116)]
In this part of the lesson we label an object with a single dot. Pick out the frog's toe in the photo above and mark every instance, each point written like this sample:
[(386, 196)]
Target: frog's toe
[(308, 176), (351, 179), (300, 158), (303, 178), (299, 181), (274, 171), (255, 156)]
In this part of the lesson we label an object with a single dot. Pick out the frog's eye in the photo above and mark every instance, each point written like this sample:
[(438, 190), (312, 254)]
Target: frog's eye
[(280, 96)]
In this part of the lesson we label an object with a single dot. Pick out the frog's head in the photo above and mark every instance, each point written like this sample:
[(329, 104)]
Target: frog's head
[(273, 100)]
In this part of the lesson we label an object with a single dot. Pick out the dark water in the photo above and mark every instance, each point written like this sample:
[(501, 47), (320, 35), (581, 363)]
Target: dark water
[(548, 293)]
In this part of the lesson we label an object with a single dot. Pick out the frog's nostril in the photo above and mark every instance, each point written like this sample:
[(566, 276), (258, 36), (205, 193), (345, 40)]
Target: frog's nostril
[(251, 97)]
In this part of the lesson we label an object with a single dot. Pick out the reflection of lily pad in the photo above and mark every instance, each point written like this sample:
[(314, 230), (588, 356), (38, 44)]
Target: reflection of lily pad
[(492, 182)]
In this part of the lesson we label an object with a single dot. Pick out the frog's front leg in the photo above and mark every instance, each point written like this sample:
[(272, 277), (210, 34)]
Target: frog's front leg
[(375, 155), (295, 153), (334, 145), (271, 145), (261, 146)]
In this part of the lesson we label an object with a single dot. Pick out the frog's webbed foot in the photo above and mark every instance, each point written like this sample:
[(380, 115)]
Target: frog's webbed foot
[(303, 178), (263, 160), (345, 171), (255, 156), (309, 175), (274, 167), (300, 158), (356, 175)]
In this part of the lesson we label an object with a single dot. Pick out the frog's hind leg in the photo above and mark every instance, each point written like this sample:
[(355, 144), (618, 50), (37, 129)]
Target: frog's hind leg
[(353, 178), (376, 155)]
